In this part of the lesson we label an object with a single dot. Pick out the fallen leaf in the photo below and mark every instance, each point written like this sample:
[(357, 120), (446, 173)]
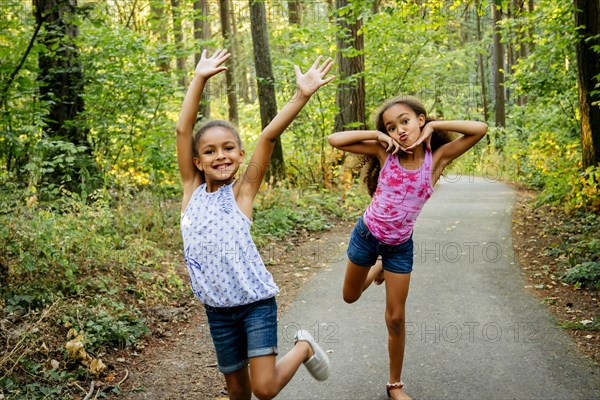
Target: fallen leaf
[(97, 367)]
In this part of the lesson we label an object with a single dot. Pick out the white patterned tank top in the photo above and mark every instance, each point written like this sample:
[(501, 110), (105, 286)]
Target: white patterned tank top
[(225, 267)]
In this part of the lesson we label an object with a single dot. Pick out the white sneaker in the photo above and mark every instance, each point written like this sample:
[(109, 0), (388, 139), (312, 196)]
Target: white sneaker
[(318, 364)]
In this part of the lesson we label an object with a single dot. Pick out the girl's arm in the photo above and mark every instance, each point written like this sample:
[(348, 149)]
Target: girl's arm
[(371, 143), (207, 67), (472, 132), (307, 85)]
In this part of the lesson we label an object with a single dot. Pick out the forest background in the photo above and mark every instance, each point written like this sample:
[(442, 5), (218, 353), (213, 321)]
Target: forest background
[(90, 92)]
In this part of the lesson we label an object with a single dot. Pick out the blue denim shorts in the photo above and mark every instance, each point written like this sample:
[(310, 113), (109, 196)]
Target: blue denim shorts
[(364, 249), (242, 332)]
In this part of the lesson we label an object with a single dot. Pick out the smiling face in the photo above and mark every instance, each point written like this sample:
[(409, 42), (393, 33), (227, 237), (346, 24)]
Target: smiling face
[(219, 154), (403, 124)]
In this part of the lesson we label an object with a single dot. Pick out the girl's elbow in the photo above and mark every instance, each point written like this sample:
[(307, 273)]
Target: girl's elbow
[(483, 128), (331, 139), (182, 128)]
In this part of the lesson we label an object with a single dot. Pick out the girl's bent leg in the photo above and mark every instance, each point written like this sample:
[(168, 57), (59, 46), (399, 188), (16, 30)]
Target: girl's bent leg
[(396, 286), (238, 385), (269, 377), (357, 279)]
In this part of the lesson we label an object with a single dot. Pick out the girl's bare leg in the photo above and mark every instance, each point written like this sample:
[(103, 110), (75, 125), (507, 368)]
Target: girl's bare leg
[(269, 377), (396, 292), (238, 385), (358, 279)]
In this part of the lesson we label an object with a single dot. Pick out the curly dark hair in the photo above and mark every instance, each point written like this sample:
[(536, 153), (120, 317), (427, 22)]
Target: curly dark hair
[(371, 163)]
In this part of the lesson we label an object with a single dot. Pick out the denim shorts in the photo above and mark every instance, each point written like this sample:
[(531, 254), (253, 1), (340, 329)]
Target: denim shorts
[(242, 332), (364, 249)]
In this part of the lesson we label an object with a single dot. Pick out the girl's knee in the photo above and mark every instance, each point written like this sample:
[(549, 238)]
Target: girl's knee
[(239, 393), (351, 296), (395, 323), (238, 385), (265, 392)]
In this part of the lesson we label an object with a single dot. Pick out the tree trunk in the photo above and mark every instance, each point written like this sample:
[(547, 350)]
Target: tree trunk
[(265, 82), (375, 6), (202, 33), (521, 51), (61, 85), (294, 12), (510, 51), (481, 63), (230, 72), (499, 110), (350, 96), (158, 25), (178, 36), (531, 42), (587, 20)]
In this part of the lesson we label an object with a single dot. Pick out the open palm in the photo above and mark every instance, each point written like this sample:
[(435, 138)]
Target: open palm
[(313, 79), (209, 66)]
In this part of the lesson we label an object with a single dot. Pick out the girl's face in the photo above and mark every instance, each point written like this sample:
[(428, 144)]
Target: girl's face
[(220, 154), (402, 124)]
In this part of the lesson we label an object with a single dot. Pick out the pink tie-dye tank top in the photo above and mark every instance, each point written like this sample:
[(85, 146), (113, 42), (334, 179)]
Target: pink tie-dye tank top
[(398, 200)]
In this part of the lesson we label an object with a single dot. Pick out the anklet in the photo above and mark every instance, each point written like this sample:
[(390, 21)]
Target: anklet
[(397, 385)]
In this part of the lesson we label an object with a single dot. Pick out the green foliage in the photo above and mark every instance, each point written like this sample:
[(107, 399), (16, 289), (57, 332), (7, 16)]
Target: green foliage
[(279, 212), (108, 325), (93, 267), (49, 384), (585, 273), (579, 251), (129, 127), (64, 251), (577, 325)]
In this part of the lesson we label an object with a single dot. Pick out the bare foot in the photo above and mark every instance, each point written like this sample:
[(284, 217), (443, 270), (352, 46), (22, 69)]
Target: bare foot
[(377, 272), (379, 278), (375, 275)]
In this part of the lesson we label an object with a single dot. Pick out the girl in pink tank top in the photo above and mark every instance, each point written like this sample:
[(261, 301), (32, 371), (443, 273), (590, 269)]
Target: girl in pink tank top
[(408, 153)]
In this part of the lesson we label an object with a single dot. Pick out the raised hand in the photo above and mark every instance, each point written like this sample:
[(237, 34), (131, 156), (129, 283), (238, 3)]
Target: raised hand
[(209, 66), (313, 79), (390, 145)]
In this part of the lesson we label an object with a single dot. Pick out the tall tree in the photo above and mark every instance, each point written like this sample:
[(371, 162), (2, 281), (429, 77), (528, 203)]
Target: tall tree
[(62, 86), (178, 36), (350, 96), (481, 64), (294, 12), (158, 25), (225, 12), (521, 50), (530, 42), (202, 33), (498, 70), (265, 82), (587, 22)]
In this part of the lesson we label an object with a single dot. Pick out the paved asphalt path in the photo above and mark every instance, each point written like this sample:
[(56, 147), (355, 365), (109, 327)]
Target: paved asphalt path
[(473, 329)]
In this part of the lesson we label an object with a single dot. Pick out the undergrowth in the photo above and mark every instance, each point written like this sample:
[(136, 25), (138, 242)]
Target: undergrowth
[(84, 279)]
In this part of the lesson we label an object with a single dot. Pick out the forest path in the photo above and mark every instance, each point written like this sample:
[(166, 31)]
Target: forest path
[(473, 330)]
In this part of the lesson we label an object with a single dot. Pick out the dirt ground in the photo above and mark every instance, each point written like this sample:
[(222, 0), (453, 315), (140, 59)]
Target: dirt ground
[(181, 364), (531, 238)]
